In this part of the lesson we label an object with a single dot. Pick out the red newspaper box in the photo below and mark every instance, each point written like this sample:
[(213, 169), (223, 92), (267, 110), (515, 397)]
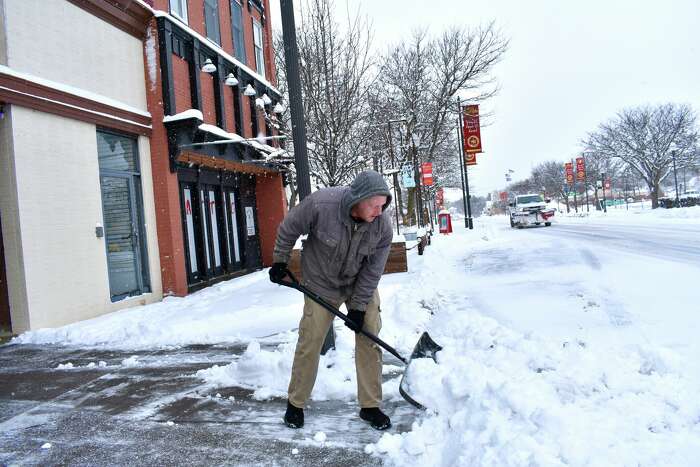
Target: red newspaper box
[(445, 222)]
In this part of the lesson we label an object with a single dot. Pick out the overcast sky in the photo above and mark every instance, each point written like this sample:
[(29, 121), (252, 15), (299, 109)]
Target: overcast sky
[(571, 65)]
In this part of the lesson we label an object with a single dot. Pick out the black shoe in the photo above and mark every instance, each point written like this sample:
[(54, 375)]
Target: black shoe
[(376, 418), (294, 417)]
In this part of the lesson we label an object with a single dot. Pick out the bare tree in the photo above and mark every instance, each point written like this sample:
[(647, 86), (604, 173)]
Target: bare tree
[(336, 75), (419, 80), (642, 137)]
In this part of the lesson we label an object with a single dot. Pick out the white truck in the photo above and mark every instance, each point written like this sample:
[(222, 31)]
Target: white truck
[(530, 209)]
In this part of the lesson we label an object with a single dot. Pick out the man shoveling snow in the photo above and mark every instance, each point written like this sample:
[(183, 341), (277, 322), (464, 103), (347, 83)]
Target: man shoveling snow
[(349, 237)]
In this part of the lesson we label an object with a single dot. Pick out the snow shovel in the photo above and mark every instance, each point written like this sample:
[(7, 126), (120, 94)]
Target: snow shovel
[(425, 347)]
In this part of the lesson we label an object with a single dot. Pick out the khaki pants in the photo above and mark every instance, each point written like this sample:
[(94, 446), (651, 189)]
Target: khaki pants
[(313, 328)]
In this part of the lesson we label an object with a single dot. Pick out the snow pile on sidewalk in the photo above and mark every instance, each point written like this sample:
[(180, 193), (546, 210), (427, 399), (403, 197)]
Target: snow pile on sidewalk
[(236, 311), (501, 397)]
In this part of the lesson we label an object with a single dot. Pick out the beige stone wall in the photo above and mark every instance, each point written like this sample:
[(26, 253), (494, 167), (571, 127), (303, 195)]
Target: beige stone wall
[(63, 264), (57, 41)]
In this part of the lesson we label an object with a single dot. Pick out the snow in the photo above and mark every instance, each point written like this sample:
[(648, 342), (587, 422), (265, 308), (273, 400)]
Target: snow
[(72, 90), (151, 59), (82, 109), (556, 350), (189, 113)]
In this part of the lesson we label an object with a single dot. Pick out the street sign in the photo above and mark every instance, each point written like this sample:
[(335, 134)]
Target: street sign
[(407, 177)]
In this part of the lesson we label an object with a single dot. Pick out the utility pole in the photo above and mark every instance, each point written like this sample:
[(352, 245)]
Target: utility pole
[(296, 106), (461, 171), (574, 187), (395, 178), (605, 201)]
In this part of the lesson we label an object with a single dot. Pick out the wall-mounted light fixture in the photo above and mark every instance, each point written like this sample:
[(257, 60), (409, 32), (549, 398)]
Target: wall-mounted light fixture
[(249, 91), (231, 80), (208, 66)]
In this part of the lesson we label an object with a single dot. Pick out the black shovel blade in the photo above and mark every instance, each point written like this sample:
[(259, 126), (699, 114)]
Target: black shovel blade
[(425, 348)]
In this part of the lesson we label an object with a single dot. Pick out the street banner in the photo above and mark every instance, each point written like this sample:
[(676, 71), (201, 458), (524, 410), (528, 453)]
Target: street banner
[(427, 173), (407, 177), (440, 197), (471, 129), (504, 196), (470, 159), (608, 184), (580, 169), (569, 168)]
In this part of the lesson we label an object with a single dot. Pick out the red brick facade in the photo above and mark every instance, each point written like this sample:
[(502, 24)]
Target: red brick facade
[(272, 207), (165, 186), (270, 195)]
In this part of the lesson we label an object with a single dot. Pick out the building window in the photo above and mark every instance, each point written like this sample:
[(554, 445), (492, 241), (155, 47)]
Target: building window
[(179, 8), (211, 20), (237, 29), (258, 39)]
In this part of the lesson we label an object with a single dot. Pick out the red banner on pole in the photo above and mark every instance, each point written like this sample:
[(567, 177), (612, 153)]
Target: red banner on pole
[(440, 197), (569, 168), (580, 169), (470, 159), (427, 173), (471, 129), (504, 196)]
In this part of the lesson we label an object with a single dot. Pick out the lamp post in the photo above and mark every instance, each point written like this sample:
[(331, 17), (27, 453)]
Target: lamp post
[(674, 149), (605, 201)]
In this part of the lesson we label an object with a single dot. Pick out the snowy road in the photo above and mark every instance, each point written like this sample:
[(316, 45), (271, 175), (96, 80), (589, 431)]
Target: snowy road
[(674, 242)]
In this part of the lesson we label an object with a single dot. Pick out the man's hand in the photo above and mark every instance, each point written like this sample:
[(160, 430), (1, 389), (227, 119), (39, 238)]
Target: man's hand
[(356, 320), (278, 271)]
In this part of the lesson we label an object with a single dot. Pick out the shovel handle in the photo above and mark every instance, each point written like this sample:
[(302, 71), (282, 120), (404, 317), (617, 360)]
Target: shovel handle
[(294, 284)]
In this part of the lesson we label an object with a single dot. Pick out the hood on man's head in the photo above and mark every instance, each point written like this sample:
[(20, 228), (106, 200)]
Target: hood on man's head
[(367, 184)]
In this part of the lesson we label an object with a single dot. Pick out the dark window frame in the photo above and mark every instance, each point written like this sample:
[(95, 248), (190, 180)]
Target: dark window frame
[(212, 25), (237, 30), (259, 63), (182, 3)]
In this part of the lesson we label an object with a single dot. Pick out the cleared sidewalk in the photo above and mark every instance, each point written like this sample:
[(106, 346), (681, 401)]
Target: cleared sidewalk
[(148, 408)]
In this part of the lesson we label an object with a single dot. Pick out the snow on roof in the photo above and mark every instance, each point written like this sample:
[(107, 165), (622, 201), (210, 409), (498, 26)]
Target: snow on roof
[(189, 113)]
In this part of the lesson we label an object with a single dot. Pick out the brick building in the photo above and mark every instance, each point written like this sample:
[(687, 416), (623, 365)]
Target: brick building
[(109, 197), (218, 205)]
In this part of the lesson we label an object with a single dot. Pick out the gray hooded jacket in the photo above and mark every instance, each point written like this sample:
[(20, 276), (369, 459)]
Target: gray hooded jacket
[(341, 257)]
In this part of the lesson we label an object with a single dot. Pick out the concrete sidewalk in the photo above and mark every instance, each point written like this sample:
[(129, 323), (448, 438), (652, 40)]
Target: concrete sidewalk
[(105, 411)]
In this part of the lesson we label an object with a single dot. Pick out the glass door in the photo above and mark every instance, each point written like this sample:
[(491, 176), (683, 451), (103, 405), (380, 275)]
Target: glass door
[(122, 236), (233, 235), (122, 212)]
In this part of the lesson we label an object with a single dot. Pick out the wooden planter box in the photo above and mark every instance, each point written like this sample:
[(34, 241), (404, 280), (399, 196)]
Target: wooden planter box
[(395, 263)]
